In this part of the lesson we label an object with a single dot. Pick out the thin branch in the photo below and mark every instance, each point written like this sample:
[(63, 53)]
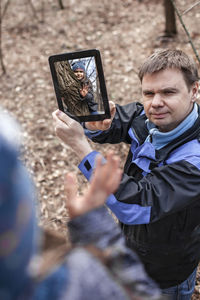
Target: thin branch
[(186, 31), (91, 73), (88, 63), (190, 8)]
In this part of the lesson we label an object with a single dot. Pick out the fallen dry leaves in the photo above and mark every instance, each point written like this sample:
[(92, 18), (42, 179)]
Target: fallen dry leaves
[(124, 31)]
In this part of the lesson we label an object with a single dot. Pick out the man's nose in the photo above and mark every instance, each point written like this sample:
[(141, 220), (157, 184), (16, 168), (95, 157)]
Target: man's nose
[(157, 100)]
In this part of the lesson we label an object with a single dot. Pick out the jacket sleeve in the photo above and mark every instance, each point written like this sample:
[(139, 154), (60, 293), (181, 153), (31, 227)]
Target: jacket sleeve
[(164, 191), (99, 229), (118, 132)]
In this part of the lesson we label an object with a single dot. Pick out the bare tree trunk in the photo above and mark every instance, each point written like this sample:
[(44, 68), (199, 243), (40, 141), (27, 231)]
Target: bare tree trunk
[(61, 4), (42, 11), (33, 8), (170, 19), (1, 52), (5, 8)]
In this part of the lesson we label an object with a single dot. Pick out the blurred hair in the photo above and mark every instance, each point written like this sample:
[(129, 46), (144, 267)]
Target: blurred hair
[(170, 59)]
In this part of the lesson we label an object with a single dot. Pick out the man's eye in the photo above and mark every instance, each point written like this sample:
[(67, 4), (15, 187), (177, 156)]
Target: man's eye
[(148, 94), (169, 92)]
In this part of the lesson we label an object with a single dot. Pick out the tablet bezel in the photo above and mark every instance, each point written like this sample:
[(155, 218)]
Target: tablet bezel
[(99, 68)]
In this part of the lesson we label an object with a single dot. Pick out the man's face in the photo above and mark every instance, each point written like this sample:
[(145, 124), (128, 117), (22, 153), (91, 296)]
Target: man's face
[(166, 98), (79, 73)]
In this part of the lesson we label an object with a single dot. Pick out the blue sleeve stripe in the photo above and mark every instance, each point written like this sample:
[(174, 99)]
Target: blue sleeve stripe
[(188, 152), (127, 213), (87, 165), (130, 214), (90, 134), (194, 160)]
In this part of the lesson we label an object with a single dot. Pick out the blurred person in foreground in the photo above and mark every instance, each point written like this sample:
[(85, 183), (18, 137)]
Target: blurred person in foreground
[(97, 265), (158, 199)]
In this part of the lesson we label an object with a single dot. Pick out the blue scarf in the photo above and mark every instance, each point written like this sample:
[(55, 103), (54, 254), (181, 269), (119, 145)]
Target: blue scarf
[(161, 139)]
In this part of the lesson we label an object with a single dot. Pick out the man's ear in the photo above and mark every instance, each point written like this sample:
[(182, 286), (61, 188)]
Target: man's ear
[(194, 90)]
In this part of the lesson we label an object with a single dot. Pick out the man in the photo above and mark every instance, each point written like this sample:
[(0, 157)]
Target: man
[(157, 201)]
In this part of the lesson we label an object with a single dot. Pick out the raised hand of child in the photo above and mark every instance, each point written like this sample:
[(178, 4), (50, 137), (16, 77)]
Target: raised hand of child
[(104, 182)]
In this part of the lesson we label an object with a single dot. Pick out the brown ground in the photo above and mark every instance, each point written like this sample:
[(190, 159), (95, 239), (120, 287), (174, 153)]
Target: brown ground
[(124, 31)]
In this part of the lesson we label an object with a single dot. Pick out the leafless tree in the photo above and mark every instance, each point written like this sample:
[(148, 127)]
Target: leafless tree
[(1, 51), (61, 4), (170, 19), (32, 8)]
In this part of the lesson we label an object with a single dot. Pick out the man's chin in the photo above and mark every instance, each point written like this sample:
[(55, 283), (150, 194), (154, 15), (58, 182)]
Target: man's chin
[(161, 124), (159, 121)]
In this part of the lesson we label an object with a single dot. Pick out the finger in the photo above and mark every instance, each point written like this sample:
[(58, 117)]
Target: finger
[(112, 108), (114, 172), (107, 176), (61, 128), (63, 117), (54, 114), (111, 104), (98, 162), (70, 187), (98, 174), (115, 181), (105, 170), (57, 118), (113, 162), (111, 156), (93, 125), (112, 112), (107, 123)]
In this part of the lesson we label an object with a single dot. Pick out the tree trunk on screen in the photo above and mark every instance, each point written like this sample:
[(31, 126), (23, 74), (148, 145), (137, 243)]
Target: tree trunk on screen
[(69, 88)]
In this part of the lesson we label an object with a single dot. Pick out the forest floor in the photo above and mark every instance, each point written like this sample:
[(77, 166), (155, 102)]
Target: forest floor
[(125, 32)]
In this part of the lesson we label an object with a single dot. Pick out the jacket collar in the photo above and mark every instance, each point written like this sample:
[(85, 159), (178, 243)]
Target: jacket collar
[(161, 139)]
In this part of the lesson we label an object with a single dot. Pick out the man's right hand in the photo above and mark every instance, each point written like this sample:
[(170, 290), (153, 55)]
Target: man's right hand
[(105, 124), (71, 133)]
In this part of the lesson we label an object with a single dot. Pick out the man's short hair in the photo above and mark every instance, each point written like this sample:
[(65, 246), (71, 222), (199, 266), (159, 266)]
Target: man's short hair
[(170, 59)]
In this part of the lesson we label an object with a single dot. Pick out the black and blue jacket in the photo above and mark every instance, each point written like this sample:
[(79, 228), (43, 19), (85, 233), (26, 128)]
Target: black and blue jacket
[(158, 200)]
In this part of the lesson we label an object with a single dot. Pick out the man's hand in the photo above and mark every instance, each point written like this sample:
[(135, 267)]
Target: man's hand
[(105, 181), (71, 133), (105, 124)]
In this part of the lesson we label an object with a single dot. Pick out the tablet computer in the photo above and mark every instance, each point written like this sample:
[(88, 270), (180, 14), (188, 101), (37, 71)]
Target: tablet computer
[(79, 85)]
